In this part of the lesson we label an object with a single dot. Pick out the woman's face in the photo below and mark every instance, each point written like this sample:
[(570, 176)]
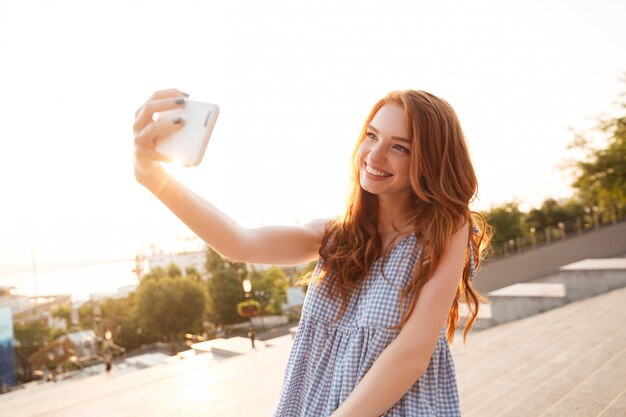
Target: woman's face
[(385, 154)]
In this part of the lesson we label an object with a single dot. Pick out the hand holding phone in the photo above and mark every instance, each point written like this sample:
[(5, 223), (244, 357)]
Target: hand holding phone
[(188, 144)]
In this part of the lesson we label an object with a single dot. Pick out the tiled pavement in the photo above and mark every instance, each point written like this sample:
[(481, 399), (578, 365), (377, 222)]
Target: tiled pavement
[(570, 361)]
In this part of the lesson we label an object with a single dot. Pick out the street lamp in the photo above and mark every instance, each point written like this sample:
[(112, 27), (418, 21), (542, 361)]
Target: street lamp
[(260, 295), (247, 287)]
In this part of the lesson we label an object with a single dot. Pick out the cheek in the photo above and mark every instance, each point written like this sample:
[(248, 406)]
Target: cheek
[(405, 166), (362, 151)]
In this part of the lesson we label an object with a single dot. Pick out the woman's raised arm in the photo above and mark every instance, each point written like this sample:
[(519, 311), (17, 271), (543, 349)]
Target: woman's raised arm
[(280, 245)]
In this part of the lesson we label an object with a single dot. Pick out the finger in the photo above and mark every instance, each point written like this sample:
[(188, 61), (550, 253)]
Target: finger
[(170, 92), (155, 129), (146, 113), (157, 95)]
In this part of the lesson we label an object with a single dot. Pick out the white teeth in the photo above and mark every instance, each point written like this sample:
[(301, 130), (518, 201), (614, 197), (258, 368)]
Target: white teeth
[(376, 172)]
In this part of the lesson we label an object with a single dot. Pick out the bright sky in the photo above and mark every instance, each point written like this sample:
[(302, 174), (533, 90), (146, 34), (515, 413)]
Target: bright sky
[(294, 83)]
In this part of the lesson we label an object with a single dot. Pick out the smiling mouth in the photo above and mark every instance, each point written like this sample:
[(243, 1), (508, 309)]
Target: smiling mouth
[(376, 172)]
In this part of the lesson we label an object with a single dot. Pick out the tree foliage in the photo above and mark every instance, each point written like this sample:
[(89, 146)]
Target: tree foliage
[(170, 306), (507, 220), (552, 212), (29, 338), (63, 312), (271, 290), (600, 179), (192, 272), (225, 291), (120, 316), (225, 288)]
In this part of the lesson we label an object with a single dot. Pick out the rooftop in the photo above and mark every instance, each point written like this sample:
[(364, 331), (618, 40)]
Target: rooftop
[(569, 361)]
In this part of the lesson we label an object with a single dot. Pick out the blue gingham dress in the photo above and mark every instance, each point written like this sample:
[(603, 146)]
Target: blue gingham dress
[(329, 358)]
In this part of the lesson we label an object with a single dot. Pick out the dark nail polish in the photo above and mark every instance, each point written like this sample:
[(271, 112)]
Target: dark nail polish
[(180, 100), (178, 120), (185, 94)]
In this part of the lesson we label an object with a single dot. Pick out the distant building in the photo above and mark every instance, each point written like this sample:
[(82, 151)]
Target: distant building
[(182, 260), (17, 303), (27, 309), (84, 342), (82, 347), (122, 292), (197, 260), (7, 370), (295, 297)]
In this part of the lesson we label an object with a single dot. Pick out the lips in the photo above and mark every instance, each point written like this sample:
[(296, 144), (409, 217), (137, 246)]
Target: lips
[(376, 172)]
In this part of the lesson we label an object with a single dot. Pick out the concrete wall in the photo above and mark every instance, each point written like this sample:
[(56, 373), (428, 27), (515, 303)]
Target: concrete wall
[(608, 242), (505, 309), (584, 284), (576, 281)]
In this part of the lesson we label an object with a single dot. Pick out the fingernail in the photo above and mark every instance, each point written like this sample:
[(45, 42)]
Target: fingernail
[(180, 100), (185, 94), (178, 120)]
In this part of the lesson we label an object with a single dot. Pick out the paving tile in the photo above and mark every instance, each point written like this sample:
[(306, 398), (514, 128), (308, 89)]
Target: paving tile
[(590, 356), (596, 392), (553, 363), (617, 408), (502, 355), (249, 383), (511, 382)]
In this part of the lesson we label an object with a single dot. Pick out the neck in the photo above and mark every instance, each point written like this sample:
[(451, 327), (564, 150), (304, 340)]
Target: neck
[(393, 215)]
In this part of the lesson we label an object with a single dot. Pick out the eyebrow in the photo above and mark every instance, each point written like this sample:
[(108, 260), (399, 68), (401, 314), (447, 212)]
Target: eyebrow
[(393, 137)]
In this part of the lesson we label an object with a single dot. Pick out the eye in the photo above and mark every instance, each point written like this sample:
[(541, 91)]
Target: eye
[(401, 148), (370, 135)]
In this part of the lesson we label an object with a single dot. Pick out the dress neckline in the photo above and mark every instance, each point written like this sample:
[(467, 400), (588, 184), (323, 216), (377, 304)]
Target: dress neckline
[(397, 244)]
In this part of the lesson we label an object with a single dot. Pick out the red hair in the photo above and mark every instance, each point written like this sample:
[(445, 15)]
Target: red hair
[(443, 182)]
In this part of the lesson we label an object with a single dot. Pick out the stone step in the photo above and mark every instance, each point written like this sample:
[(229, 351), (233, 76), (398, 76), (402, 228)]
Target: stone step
[(491, 342), (486, 311), (525, 299), (596, 392), (573, 282), (561, 375), (532, 367), (591, 277), (225, 348), (617, 408), (489, 382)]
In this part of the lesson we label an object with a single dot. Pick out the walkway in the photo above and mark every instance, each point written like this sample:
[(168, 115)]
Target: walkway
[(567, 362)]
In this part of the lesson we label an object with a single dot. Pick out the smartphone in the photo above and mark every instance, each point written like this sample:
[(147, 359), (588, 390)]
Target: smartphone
[(188, 144)]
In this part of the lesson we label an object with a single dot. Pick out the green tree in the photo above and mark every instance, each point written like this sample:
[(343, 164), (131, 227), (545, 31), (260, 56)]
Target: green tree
[(192, 273), (169, 307), (157, 273), (274, 285), (29, 338), (121, 317), (173, 270), (225, 291), (600, 179), (306, 269), (552, 212), (549, 214), (214, 261), (63, 312), (224, 287), (507, 222)]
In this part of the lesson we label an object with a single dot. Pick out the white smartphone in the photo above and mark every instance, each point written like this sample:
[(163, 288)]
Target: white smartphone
[(188, 144)]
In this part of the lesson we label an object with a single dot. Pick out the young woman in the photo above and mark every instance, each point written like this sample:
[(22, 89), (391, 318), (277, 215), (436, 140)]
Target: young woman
[(382, 303)]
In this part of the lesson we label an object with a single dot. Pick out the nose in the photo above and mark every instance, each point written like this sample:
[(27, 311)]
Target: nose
[(377, 153)]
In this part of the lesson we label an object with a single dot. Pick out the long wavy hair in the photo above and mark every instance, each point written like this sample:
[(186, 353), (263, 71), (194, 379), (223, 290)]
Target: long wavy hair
[(443, 182)]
